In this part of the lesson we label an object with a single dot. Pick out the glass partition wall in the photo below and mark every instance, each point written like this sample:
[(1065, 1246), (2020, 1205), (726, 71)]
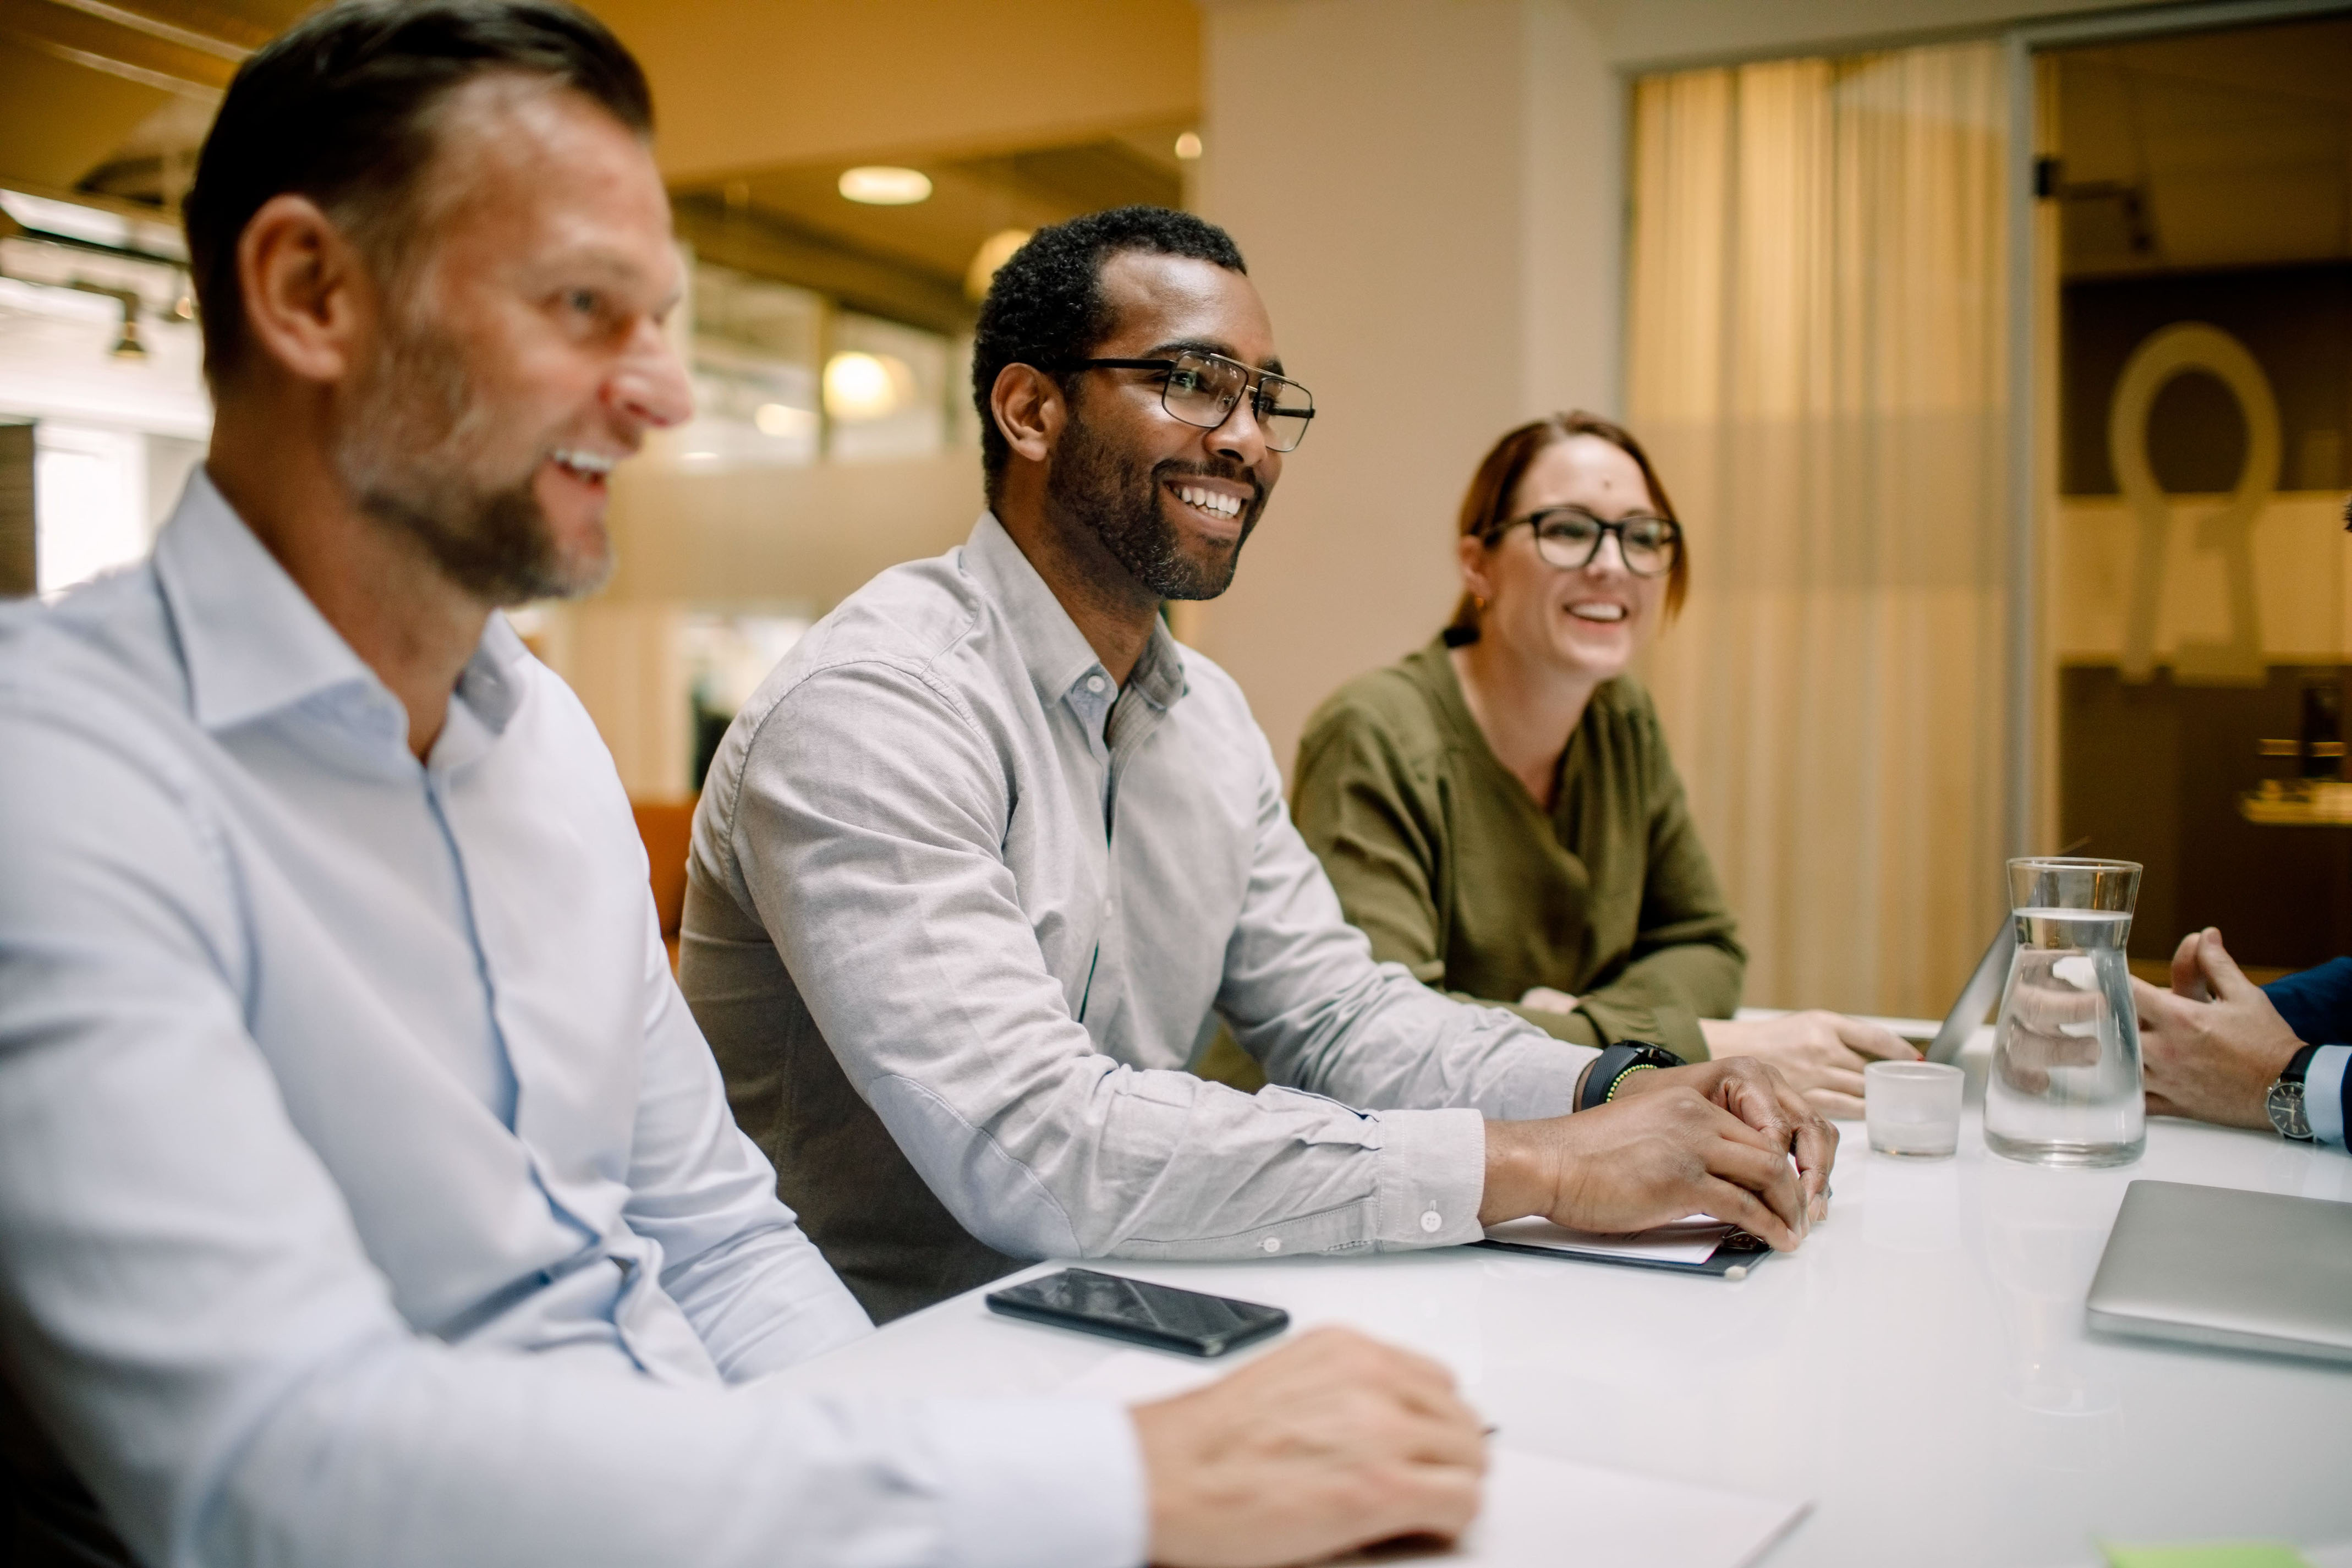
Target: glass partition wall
[(2192, 265)]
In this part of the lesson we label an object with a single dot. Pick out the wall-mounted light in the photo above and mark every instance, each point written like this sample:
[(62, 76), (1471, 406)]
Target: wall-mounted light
[(126, 342), (1188, 145), (783, 419), (860, 385), (994, 252), (881, 186)]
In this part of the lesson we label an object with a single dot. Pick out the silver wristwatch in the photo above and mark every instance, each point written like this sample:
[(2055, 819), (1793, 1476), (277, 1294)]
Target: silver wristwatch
[(2285, 1100)]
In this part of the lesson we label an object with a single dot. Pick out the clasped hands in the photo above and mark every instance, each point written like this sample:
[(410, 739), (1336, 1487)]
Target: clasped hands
[(1714, 1139), (2211, 1046)]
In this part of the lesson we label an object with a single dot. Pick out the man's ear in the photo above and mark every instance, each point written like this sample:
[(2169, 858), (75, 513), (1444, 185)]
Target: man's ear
[(1029, 409), (306, 292)]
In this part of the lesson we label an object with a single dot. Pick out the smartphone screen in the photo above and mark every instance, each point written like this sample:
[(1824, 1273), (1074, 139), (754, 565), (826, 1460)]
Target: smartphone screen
[(1140, 1311)]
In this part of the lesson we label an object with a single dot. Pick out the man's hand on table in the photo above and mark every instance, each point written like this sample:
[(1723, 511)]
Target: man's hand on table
[(2211, 1046), (1821, 1054), (1331, 1443), (1711, 1139)]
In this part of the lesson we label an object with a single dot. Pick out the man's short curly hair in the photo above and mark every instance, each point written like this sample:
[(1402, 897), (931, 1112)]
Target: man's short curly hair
[(1046, 305)]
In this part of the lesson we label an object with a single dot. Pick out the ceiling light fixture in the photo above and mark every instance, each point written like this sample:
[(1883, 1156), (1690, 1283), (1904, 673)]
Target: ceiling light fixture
[(881, 186), (859, 385), (1188, 145), (994, 252)]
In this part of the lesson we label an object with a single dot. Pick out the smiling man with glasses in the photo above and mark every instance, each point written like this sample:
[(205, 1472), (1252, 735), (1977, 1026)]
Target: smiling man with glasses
[(984, 861)]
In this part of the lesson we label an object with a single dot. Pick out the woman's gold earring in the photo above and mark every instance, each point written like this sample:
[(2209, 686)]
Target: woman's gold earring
[(1479, 600)]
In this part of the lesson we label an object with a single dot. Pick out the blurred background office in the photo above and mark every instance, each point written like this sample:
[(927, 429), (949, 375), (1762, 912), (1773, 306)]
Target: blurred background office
[(1997, 355)]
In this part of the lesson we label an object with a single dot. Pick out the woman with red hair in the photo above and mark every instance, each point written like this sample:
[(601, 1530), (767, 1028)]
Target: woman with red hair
[(1498, 810)]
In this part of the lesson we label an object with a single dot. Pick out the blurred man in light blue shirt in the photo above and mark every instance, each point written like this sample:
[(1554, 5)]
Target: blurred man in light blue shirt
[(367, 1193)]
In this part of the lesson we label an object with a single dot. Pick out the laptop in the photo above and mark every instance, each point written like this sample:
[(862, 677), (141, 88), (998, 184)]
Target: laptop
[(2215, 1265), (1977, 998)]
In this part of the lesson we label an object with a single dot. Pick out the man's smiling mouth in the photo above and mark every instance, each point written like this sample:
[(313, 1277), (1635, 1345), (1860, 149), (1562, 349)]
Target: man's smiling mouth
[(593, 467), (1216, 503)]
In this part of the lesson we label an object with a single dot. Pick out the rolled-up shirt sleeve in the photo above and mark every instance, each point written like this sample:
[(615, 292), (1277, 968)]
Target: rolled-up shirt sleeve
[(869, 828), (189, 1313)]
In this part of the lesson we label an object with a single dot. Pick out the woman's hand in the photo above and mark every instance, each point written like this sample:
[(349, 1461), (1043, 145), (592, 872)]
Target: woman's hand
[(1822, 1054)]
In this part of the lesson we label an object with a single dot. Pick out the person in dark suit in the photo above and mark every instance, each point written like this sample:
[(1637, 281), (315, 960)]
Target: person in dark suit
[(2219, 1049)]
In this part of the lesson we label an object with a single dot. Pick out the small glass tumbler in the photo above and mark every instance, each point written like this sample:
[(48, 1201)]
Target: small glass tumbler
[(1913, 1108)]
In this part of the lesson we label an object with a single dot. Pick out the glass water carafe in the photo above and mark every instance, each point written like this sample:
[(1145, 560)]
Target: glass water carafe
[(2065, 1085)]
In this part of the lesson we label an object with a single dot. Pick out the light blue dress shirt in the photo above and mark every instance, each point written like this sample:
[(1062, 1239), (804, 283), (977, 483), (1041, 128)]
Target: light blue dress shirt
[(2323, 1093), (367, 1194)]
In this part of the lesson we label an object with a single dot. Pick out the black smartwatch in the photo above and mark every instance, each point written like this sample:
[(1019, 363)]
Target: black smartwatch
[(2285, 1100), (1616, 1063)]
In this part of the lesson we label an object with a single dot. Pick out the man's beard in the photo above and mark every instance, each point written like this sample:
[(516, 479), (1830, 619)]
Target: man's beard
[(406, 453), (1095, 487)]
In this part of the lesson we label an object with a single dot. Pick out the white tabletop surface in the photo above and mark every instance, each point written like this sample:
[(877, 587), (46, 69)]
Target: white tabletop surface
[(1919, 1370)]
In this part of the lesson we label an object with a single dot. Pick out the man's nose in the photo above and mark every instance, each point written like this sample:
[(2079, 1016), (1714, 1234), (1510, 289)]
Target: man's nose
[(651, 387), (1241, 437)]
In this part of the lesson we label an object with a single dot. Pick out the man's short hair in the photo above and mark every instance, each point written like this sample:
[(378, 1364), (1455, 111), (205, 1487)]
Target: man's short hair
[(1045, 304), (339, 108)]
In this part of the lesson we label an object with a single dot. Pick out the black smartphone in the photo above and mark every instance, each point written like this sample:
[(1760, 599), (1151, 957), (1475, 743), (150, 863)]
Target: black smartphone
[(1157, 1315)]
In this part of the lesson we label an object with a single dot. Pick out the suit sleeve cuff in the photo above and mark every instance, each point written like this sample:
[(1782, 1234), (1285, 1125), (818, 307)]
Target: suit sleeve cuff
[(2323, 1093), (1041, 1480), (1433, 1178)]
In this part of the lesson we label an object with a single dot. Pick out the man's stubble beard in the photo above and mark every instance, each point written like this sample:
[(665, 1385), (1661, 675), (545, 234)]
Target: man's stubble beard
[(1092, 485), (406, 453)]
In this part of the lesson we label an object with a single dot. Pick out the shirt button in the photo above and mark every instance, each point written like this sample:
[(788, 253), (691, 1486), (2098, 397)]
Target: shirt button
[(1095, 684), (1430, 1224), (1271, 1244)]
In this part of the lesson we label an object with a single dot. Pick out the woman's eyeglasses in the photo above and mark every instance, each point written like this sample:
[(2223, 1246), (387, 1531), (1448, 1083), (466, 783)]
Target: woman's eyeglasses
[(1203, 389), (1568, 537)]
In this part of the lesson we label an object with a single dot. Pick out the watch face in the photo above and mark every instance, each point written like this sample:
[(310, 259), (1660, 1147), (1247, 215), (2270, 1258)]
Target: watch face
[(2286, 1106)]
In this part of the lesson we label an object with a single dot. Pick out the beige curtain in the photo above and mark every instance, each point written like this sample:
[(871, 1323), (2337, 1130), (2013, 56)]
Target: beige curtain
[(1816, 359)]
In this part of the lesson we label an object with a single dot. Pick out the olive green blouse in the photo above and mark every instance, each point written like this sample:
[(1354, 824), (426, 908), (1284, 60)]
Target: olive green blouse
[(1447, 862)]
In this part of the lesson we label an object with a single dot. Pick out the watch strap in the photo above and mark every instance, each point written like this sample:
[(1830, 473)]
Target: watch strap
[(2298, 1066), (1608, 1068)]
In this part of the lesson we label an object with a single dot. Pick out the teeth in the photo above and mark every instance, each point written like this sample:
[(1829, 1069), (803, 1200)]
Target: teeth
[(1598, 612), (1213, 502), (592, 465)]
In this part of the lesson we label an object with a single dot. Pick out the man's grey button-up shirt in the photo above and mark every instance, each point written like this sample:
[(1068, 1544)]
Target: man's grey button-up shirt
[(943, 854)]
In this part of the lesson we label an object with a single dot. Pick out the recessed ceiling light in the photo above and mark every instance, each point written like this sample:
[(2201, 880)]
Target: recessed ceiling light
[(994, 252), (1188, 146), (880, 186)]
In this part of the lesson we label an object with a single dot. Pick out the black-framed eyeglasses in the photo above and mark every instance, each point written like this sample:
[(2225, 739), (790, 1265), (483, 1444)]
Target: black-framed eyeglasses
[(1203, 389), (1570, 537)]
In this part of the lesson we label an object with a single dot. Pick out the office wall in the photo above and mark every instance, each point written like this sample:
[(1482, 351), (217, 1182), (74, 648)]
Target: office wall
[(1425, 195), (1430, 195)]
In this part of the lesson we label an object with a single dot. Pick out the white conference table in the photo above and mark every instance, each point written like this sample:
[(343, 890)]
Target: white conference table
[(1919, 1370)]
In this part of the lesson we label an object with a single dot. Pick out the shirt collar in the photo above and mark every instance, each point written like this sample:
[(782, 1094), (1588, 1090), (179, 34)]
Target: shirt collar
[(254, 643), (1056, 653)]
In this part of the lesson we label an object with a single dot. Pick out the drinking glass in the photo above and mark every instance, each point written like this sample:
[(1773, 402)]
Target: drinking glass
[(2065, 1087), (1913, 1108)]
